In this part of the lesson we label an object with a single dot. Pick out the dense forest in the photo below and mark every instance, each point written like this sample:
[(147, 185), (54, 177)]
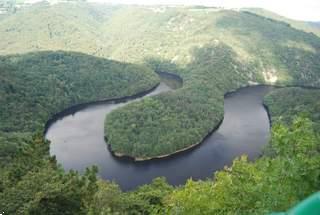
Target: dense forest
[(169, 122), (135, 34), (35, 86), (213, 50), (175, 121), (277, 53), (286, 103)]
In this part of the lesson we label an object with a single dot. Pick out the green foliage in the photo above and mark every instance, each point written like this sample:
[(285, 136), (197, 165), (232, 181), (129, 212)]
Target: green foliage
[(33, 184), (135, 34), (213, 50), (10, 143), (49, 192), (188, 41), (37, 85), (170, 122), (285, 104), (281, 51), (145, 200), (237, 48), (268, 184), (148, 198), (108, 199), (33, 87)]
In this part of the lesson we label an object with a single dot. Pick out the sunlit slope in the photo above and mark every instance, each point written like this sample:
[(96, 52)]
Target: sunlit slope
[(213, 50), (70, 27), (227, 49), (134, 34), (301, 25)]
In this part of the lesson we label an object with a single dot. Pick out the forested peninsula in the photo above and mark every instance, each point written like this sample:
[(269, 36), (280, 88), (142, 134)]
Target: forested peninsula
[(165, 124)]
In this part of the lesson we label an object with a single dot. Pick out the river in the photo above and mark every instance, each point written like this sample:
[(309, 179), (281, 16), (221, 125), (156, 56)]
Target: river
[(77, 141)]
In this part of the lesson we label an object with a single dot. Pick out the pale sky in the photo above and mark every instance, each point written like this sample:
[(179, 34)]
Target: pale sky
[(308, 10)]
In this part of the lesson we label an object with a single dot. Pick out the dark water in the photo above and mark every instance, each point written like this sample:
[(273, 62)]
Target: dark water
[(78, 141)]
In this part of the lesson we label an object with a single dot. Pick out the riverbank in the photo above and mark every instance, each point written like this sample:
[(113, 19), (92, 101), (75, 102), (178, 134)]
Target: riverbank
[(73, 109), (193, 146), (77, 142)]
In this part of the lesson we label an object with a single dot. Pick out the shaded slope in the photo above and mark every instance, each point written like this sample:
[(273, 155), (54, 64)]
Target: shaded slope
[(36, 85), (285, 104)]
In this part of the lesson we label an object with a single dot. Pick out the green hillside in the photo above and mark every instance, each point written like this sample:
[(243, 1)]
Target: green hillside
[(213, 50), (55, 56), (301, 25), (287, 103), (170, 122), (60, 27), (136, 34), (37, 85), (239, 48)]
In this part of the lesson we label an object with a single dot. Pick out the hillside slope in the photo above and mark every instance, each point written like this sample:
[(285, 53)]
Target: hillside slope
[(69, 27), (213, 50), (136, 34), (287, 103), (301, 25), (35, 86)]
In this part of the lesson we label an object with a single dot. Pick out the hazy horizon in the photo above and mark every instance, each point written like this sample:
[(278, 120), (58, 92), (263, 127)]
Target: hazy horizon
[(307, 10)]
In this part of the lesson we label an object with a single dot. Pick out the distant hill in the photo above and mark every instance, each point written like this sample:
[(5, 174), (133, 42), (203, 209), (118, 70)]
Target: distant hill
[(138, 33), (59, 27), (313, 27), (214, 50), (315, 24), (35, 86)]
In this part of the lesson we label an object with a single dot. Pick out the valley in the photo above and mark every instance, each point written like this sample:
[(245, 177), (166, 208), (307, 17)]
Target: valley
[(79, 84), (84, 145)]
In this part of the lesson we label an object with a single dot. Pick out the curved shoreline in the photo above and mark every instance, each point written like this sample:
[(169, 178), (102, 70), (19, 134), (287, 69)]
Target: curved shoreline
[(74, 108), (193, 146), (188, 148), (170, 75), (77, 107)]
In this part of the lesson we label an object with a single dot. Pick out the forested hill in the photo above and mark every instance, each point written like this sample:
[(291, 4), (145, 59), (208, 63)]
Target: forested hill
[(134, 34), (212, 49), (35, 86), (286, 103), (301, 25), (227, 50)]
